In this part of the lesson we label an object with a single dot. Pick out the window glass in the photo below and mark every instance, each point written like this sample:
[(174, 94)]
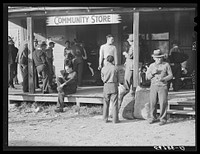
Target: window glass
[(160, 36)]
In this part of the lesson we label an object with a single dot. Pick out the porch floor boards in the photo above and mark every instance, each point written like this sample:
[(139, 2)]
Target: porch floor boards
[(93, 93)]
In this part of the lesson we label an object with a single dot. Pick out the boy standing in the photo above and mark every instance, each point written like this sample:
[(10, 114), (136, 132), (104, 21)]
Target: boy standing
[(159, 72), (110, 91)]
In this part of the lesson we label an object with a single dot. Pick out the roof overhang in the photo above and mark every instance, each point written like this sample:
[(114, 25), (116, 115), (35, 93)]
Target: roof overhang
[(59, 11)]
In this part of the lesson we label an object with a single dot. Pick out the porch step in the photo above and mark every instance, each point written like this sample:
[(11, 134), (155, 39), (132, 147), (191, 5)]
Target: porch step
[(183, 112)]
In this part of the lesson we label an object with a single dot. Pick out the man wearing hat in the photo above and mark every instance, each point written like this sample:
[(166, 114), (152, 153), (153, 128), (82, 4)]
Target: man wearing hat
[(12, 65), (49, 58), (159, 73), (39, 58), (128, 76)]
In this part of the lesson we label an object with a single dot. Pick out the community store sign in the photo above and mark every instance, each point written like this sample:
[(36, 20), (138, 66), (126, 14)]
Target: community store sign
[(83, 19)]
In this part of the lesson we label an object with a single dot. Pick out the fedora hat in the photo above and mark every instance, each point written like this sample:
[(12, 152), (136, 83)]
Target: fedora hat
[(130, 37), (43, 43), (157, 53)]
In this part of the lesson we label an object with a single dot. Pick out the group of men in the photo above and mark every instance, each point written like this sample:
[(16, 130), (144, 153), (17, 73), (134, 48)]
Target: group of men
[(159, 73), (43, 61)]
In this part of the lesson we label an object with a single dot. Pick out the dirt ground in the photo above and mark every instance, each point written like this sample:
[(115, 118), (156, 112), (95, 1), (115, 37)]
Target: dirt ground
[(81, 127)]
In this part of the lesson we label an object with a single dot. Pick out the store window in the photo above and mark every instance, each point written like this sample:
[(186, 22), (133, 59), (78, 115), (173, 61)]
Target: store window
[(154, 41), (160, 40)]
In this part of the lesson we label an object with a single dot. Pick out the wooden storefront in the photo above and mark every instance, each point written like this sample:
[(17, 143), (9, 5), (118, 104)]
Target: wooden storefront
[(152, 28)]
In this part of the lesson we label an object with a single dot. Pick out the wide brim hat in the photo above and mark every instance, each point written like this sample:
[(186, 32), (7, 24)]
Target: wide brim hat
[(130, 37), (157, 54)]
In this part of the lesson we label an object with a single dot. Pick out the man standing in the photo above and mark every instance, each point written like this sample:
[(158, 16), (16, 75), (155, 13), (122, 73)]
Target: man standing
[(49, 58), (39, 58), (109, 75), (78, 63), (12, 69), (67, 84), (176, 57), (23, 61), (159, 73), (128, 76), (107, 49)]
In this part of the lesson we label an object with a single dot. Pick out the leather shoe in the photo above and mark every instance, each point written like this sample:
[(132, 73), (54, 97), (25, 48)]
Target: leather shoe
[(116, 121), (162, 123), (152, 121), (58, 110), (45, 92)]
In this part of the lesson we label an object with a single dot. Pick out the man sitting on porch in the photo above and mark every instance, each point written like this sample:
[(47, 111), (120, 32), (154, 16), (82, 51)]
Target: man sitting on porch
[(67, 84)]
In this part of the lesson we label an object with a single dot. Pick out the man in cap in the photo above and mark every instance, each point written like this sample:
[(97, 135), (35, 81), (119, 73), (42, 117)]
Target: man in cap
[(39, 58), (49, 58), (159, 73), (128, 76)]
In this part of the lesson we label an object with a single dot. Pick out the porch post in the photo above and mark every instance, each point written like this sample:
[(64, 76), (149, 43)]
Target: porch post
[(136, 50), (30, 55)]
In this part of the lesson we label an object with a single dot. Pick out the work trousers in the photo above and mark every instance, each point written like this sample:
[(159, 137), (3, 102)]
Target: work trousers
[(176, 82), (62, 92), (15, 79), (50, 71), (78, 67), (158, 93), (24, 71), (36, 81), (107, 99), (11, 74), (42, 69), (128, 78)]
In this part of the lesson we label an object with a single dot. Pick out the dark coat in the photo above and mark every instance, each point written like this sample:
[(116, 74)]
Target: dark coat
[(12, 54)]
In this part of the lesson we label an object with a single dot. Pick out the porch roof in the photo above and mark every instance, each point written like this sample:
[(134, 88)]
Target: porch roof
[(24, 11)]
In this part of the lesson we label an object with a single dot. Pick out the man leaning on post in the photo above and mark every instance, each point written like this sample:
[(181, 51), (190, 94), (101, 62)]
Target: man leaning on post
[(39, 58)]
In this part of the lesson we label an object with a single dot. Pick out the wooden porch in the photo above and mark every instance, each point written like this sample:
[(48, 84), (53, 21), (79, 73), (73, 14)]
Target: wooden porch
[(181, 102)]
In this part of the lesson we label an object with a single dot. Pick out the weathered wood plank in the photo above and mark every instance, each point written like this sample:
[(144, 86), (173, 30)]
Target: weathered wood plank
[(179, 112), (55, 98)]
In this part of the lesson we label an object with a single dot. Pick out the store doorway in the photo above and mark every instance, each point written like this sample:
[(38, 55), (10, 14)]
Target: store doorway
[(92, 36)]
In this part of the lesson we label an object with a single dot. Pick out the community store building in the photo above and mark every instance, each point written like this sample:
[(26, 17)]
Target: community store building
[(154, 27)]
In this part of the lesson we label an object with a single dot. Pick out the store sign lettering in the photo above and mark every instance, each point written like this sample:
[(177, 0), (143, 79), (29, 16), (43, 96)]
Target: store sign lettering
[(83, 20)]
